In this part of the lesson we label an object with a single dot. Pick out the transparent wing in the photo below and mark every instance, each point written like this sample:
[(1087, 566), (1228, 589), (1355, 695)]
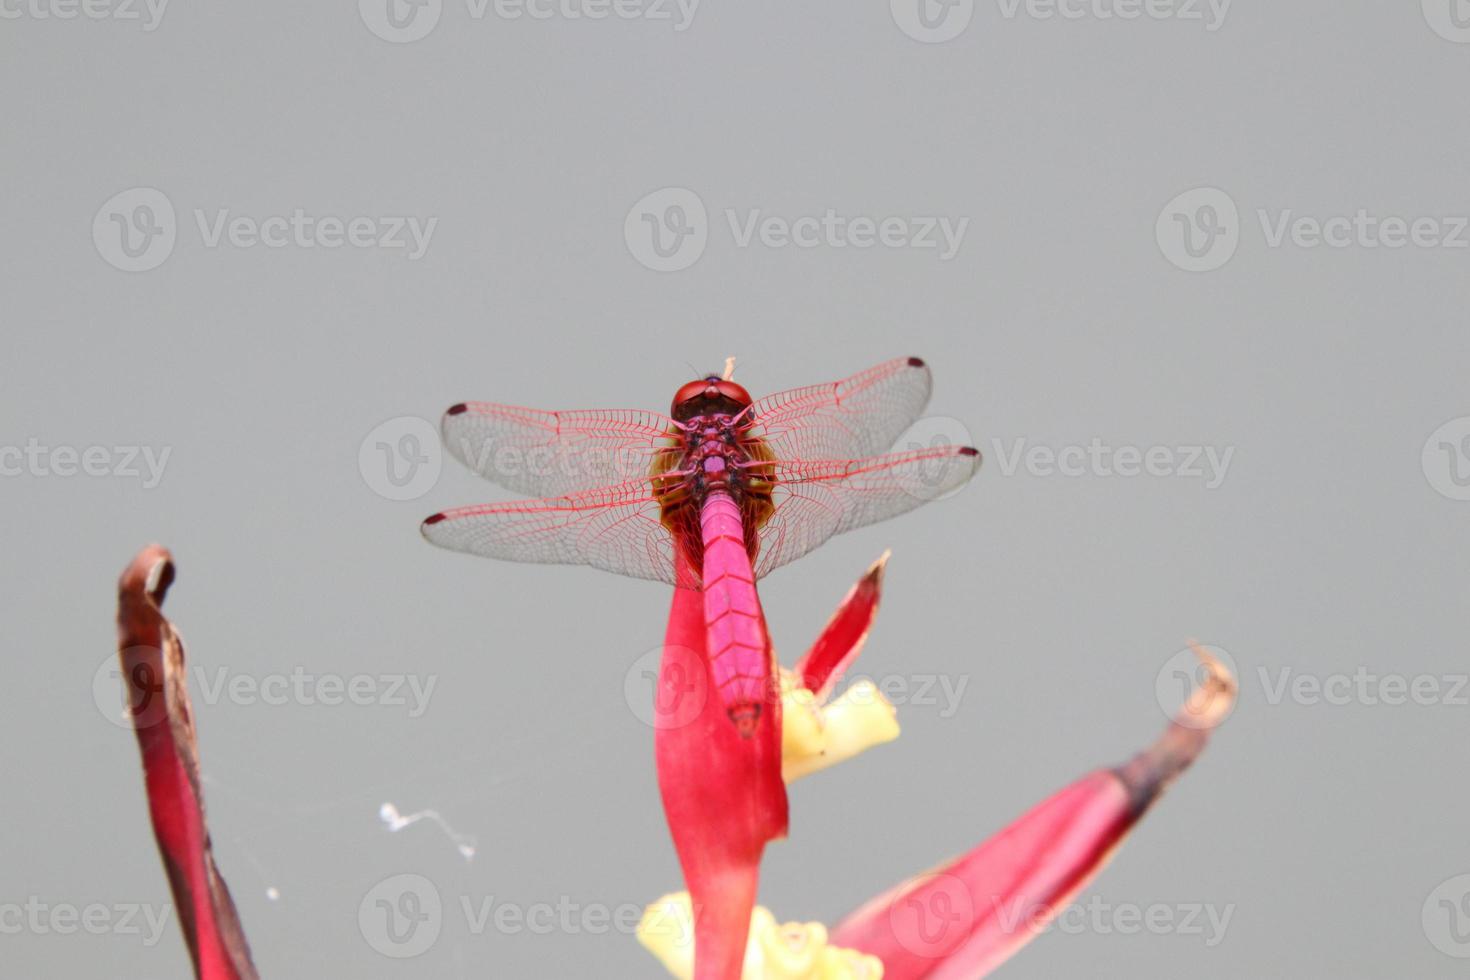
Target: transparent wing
[(548, 454), (859, 416), (815, 499), (614, 528)]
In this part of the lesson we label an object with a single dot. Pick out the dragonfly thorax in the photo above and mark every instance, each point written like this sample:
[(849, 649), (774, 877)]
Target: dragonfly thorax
[(713, 454)]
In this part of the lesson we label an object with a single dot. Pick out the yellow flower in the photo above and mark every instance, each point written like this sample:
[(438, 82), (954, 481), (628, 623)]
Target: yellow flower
[(774, 951), (815, 735)]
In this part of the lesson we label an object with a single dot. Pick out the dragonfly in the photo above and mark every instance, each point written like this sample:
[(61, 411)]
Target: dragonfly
[(713, 496)]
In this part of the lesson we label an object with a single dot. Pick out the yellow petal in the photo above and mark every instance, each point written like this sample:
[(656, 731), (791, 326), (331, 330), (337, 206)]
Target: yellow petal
[(802, 733), (775, 951), (667, 931), (851, 723)]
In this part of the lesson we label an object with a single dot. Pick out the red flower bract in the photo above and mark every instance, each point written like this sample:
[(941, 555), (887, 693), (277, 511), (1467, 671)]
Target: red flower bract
[(152, 657)]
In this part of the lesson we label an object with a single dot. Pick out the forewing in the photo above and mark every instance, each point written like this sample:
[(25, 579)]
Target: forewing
[(858, 416), (614, 528), (550, 454), (815, 499)]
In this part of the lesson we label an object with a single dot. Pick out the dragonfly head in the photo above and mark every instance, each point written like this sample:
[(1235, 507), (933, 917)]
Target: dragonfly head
[(711, 395)]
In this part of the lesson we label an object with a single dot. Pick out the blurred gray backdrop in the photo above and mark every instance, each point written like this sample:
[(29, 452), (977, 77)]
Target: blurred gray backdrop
[(248, 246)]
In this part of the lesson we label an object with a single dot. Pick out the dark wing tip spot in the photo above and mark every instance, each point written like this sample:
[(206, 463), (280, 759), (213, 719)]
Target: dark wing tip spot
[(964, 451), (916, 362), (433, 519), (459, 409)]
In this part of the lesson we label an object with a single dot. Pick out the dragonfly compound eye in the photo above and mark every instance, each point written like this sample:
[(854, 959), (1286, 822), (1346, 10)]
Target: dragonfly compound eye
[(709, 396)]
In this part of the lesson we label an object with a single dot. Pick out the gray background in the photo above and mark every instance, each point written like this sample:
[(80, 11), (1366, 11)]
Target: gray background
[(1326, 549)]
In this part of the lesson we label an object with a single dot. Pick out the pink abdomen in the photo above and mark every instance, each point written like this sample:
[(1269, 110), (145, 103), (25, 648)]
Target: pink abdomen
[(735, 627)]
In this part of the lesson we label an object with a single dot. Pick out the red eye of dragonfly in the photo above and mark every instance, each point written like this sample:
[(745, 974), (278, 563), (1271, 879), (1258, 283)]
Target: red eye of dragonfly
[(628, 491), (709, 396)]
